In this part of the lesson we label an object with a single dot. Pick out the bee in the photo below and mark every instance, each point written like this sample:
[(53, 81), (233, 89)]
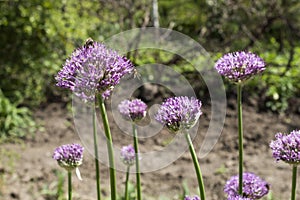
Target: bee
[(89, 42)]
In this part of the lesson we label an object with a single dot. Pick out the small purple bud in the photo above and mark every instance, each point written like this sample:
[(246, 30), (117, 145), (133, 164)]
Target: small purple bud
[(128, 155)]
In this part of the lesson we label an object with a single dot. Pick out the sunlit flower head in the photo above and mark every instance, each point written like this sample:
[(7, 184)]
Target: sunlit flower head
[(128, 155), (253, 186), (69, 156), (178, 113), (239, 66), (286, 147), (134, 110), (93, 69)]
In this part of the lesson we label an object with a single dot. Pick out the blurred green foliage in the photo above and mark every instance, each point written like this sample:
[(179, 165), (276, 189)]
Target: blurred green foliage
[(14, 121), (55, 190), (37, 36), (282, 81)]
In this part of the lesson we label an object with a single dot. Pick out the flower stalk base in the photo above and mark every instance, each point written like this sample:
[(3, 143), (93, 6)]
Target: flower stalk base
[(110, 149), (96, 155), (69, 185), (197, 166), (294, 182), (136, 148), (240, 128)]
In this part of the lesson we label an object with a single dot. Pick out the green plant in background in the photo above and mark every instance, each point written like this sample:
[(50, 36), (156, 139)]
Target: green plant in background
[(14, 121), (8, 159), (221, 170), (186, 190), (130, 191), (33, 43), (270, 196), (281, 78), (55, 190), (60, 183)]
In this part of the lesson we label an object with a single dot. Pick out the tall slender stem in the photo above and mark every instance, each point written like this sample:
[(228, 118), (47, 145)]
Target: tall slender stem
[(96, 154), (240, 128), (110, 149), (127, 183), (137, 164), (294, 182), (197, 166), (70, 184)]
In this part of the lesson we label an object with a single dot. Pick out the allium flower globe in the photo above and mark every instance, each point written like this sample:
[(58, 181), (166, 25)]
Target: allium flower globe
[(134, 110), (287, 147), (239, 66), (253, 186), (69, 156), (179, 113), (128, 155), (93, 69), (192, 198)]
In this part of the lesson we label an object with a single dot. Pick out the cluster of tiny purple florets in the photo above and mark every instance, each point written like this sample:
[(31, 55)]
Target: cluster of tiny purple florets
[(287, 147), (93, 69), (192, 198), (177, 113), (69, 156), (133, 109), (128, 155), (253, 186), (239, 66)]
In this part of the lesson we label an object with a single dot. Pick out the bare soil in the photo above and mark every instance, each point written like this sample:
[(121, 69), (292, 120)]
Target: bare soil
[(28, 172)]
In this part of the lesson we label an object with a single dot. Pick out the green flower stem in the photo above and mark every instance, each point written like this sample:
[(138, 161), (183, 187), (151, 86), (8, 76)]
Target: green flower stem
[(110, 149), (137, 165), (96, 155), (196, 165), (127, 184), (240, 128), (294, 182), (70, 184)]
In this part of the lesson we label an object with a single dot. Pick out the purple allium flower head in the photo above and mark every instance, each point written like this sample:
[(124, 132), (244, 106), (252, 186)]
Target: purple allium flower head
[(287, 147), (253, 186), (192, 198), (128, 155), (69, 156), (238, 198), (93, 69), (240, 66), (133, 109), (177, 113)]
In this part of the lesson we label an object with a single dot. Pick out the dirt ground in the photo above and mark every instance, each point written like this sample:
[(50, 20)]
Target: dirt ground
[(28, 172)]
